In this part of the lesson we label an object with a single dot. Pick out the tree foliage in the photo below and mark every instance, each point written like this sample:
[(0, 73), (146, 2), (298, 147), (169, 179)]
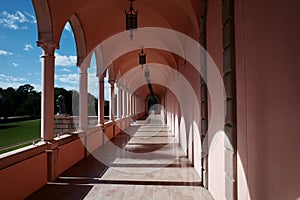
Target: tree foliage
[(26, 101)]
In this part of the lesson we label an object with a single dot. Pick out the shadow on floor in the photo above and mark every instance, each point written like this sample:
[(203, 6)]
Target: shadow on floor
[(133, 171)]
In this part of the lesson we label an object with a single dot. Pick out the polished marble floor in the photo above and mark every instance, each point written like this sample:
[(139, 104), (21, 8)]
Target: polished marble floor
[(145, 161)]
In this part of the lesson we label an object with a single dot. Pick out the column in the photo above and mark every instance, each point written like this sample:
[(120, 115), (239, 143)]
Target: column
[(112, 100), (137, 104), (130, 105), (134, 104), (126, 103), (47, 107), (123, 103), (83, 97), (119, 95), (101, 100)]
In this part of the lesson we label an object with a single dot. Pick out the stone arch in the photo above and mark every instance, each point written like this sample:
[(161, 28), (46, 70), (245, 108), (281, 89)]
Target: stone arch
[(79, 38), (44, 20)]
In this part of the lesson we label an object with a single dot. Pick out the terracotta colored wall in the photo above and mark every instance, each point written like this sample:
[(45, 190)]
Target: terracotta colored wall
[(268, 94), (22, 179), (69, 154)]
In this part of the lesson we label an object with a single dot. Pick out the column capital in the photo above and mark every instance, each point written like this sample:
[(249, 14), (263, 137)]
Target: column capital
[(84, 61), (111, 82), (129, 92), (101, 79), (80, 60), (125, 89), (84, 65), (119, 85), (48, 46)]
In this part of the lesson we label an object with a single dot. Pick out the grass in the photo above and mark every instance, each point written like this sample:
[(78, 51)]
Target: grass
[(14, 133)]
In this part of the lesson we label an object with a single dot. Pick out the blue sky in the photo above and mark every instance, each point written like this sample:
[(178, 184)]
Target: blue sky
[(20, 57)]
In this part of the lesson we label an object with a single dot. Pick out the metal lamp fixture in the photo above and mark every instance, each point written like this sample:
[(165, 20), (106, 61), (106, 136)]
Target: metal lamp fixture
[(147, 72), (148, 80), (142, 58), (131, 17)]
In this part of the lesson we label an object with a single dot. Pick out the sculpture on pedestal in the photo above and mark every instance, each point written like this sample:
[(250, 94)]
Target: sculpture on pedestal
[(60, 103)]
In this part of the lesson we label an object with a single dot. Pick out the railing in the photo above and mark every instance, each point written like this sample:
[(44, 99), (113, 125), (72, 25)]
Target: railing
[(92, 128), (19, 145)]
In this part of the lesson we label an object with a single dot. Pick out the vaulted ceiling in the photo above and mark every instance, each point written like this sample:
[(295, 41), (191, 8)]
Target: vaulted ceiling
[(93, 21)]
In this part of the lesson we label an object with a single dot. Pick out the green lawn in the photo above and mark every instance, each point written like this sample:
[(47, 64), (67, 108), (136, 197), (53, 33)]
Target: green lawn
[(13, 133)]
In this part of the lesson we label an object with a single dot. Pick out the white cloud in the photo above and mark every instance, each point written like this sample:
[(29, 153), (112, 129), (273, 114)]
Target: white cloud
[(13, 21), (24, 27), (70, 79), (65, 70), (5, 53), (27, 47), (71, 82), (67, 81), (10, 81), (37, 88), (15, 64), (68, 27), (29, 74), (93, 84), (32, 17), (63, 60), (15, 82)]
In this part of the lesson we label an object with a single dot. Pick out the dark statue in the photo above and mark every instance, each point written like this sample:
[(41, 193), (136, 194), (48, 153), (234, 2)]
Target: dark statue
[(60, 103)]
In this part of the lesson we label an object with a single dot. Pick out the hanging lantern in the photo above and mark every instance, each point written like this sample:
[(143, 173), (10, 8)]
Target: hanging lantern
[(131, 17), (142, 57), (147, 73)]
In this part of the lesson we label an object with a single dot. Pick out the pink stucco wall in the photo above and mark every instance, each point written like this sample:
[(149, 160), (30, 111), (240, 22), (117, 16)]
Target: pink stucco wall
[(216, 170), (94, 140), (69, 154), (20, 180), (109, 132), (267, 40)]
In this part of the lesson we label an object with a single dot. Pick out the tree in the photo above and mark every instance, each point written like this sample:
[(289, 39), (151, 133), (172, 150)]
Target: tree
[(28, 101), (92, 105), (1, 105), (22, 93), (75, 102), (9, 105), (106, 108), (31, 106)]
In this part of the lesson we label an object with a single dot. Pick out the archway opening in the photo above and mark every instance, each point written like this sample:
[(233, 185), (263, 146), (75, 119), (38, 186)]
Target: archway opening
[(152, 103)]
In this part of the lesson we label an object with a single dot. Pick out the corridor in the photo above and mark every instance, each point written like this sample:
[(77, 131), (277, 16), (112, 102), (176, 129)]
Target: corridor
[(145, 161)]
